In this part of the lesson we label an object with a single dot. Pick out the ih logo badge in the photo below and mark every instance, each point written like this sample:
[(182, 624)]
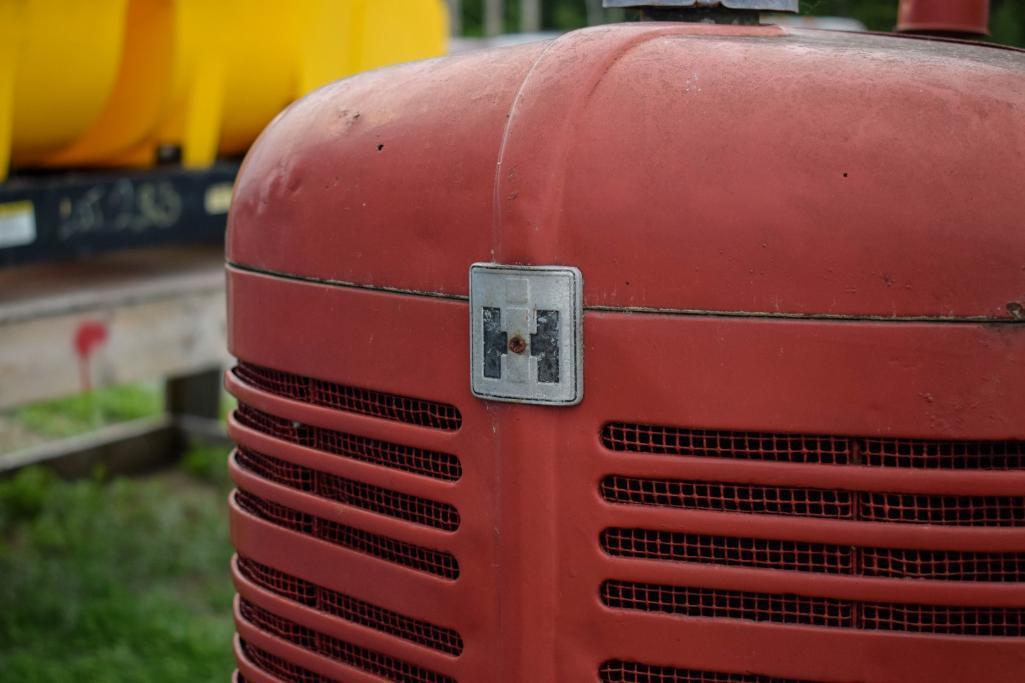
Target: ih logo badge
[(526, 333)]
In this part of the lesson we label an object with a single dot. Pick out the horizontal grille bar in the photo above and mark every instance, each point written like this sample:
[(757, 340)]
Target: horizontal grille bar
[(977, 511), (650, 544), (618, 671), (437, 562), (350, 492), (812, 449), (384, 453), (813, 611), (351, 609), (415, 411), (373, 662), (280, 668), (727, 497), (822, 558), (727, 604)]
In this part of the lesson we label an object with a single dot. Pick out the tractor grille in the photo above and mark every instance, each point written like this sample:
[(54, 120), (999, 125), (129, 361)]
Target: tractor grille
[(813, 611), (986, 511), (871, 561), (726, 604), (350, 492), (280, 668), (650, 544), (282, 465), (413, 411), (351, 609), (821, 558), (819, 450), (639, 438), (372, 662), (700, 495), (416, 557), (617, 671), (384, 453)]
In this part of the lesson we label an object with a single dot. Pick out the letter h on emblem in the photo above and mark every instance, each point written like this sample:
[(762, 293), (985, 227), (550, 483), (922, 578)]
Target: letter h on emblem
[(526, 333)]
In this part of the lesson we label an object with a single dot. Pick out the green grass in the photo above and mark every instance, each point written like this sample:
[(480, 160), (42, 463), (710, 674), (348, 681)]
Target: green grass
[(116, 581), (83, 412)]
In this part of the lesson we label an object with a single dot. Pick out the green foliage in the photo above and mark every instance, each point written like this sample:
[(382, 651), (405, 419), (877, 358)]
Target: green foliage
[(115, 582), (1007, 19), (1007, 22), (84, 412), (207, 463)]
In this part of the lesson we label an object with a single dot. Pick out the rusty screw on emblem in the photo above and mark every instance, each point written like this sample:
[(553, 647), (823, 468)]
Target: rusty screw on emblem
[(517, 344)]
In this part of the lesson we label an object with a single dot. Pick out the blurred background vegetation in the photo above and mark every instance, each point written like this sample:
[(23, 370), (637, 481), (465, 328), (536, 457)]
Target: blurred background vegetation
[(111, 579), (1007, 17)]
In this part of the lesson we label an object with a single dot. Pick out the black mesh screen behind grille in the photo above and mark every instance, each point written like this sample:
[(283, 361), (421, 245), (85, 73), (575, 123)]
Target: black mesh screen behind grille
[(728, 497), (618, 671), (350, 608), (813, 449), (280, 668), (373, 662), (822, 558), (350, 492), (413, 411), (813, 611), (416, 557), (744, 552), (384, 453), (981, 511)]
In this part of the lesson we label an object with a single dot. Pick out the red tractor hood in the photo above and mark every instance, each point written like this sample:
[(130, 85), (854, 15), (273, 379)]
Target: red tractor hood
[(682, 167)]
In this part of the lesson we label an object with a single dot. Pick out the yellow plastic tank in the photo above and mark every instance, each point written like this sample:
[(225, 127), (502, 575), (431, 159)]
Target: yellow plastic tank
[(58, 65), (208, 75)]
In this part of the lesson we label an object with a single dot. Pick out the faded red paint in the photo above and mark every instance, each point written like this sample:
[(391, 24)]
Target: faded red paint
[(713, 183), (89, 336)]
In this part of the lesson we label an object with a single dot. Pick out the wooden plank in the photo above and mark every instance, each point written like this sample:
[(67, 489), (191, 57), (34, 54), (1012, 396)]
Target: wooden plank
[(29, 292), (126, 448), (63, 355), (115, 326)]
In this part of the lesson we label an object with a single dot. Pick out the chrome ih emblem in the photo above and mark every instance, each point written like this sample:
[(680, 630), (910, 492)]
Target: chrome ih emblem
[(526, 333)]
